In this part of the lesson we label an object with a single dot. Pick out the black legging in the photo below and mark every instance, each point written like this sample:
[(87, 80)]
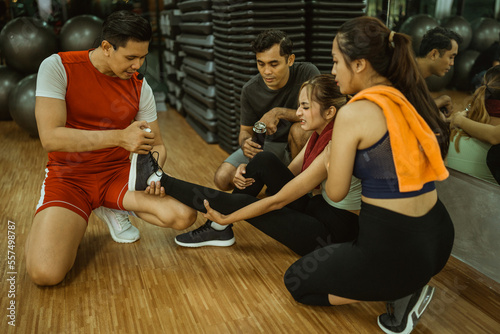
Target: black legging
[(493, 161), (393, 256), (303, 225)]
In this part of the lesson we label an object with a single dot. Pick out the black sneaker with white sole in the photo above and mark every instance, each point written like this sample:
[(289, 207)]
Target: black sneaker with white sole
[(205, 235), (403, 314), (143, 166)]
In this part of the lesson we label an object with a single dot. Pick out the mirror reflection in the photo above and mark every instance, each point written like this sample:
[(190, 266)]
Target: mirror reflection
[(454, 69)]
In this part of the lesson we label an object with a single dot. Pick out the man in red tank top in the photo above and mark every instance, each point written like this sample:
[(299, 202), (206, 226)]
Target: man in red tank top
[(92, 108)]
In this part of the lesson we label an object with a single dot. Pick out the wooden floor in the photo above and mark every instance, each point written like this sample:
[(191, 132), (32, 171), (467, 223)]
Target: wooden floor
[(153, 286)]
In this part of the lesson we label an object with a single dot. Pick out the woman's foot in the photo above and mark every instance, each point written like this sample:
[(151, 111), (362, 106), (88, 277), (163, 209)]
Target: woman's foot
[(403, 314)]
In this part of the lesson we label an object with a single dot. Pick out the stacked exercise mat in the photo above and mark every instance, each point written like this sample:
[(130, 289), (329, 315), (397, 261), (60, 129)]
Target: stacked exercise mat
[(197, 44), (324, 18), (236, 24), (170, 20), (212, 58)]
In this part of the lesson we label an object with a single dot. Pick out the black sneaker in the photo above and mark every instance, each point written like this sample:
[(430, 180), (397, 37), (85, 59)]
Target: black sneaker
[(403, 314), (142, 167), (205, 235)]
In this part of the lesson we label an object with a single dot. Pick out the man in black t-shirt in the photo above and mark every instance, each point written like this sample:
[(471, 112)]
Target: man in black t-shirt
[(270, 97)]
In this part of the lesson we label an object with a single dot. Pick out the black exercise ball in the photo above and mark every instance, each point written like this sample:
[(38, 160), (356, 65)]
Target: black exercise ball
[(462, 67), (462, 27), (80, 32), (22, 104), (25, 42), (436, 84), (416, 26), (9, 79), (486, 31)]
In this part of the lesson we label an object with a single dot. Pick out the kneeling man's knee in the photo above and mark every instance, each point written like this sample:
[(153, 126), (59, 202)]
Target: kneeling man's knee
[(44, 276), (179, 218), (186, 218)]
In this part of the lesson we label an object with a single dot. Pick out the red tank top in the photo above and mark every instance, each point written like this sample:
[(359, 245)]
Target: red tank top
[(95, 101)]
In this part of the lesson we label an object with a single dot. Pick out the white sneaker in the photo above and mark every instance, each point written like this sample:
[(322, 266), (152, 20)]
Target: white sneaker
[(119, 225)]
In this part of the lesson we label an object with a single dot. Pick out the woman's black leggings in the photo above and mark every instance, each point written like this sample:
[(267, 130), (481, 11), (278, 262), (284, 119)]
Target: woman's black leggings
[(303, 226), (393, 256)]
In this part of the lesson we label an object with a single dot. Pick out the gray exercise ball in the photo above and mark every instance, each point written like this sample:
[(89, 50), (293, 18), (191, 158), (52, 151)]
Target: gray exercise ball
[(416, 26), (486, 31), (461, 26), (9, 79), (462, 67), (25, 42), (22, 104), (436, 84), (80, 32)]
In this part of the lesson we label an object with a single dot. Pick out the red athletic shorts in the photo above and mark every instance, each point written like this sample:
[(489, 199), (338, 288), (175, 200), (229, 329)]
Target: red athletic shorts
[(82, 190)]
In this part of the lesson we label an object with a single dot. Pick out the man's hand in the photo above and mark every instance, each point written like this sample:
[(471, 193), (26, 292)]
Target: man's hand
[(134, 139), (155, 189), (444, 104), (250, 148), (239, 180), (271, 120)]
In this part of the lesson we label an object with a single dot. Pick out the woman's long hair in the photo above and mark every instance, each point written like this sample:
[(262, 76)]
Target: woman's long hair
[(368, 38)]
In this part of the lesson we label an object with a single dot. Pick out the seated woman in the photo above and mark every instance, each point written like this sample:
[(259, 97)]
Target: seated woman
[(473, 130), (290, 215)]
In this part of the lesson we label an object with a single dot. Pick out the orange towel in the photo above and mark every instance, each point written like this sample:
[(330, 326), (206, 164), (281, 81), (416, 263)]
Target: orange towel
[(415, 149)]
